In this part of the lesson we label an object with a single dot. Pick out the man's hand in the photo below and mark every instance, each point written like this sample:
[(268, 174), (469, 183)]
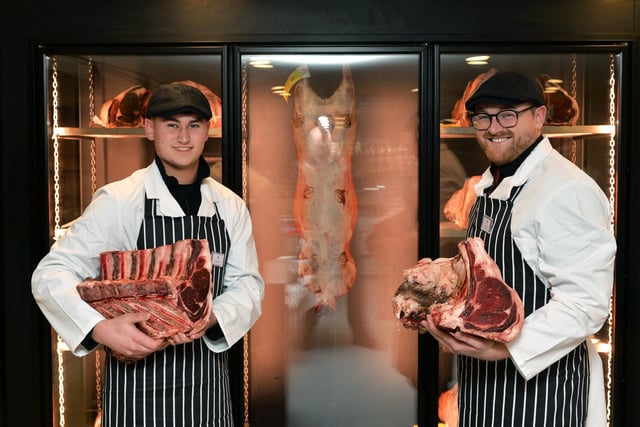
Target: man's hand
[(126, 341), (198, 331), (466, 344)]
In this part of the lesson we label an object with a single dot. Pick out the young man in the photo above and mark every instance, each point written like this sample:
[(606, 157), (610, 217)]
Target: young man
[(546, 224), (183, 380)]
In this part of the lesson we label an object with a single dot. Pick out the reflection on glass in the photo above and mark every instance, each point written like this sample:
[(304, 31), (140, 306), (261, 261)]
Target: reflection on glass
[(578, 91), (95, 137), (336, 174)]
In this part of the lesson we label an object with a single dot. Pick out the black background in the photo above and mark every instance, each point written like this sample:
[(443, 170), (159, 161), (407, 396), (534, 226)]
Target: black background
[(25, 396)]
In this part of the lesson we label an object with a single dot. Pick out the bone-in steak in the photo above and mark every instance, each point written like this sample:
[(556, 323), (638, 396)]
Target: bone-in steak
[(172, 282), (465, 292)]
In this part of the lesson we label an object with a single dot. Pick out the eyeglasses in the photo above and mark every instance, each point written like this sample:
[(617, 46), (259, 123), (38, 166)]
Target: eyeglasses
[(505, 118)]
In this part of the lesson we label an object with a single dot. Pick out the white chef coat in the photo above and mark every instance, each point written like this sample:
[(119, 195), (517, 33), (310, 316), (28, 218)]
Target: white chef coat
[(561, 225), (112, 222)]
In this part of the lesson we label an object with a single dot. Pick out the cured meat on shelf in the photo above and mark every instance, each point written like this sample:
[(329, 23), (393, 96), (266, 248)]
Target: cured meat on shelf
[(465, 292), (325, 205), (125, 110), (448, 406), (214, 102), (562, 108), (459, 112), (172, 282), (128, 108), (459, 205)]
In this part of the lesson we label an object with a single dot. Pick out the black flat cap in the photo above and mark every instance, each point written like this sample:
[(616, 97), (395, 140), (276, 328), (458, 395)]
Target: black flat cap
[(176, 98), (507, 88)]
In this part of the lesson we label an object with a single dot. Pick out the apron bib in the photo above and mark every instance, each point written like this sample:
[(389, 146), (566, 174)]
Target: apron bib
[(183, 385), (493, 393)]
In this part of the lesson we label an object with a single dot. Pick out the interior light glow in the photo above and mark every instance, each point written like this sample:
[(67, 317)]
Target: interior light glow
[(320, 59), (259, 62), (473, 59)]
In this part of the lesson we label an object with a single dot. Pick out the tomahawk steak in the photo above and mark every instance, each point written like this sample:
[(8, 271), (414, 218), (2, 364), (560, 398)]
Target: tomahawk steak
[(465, 292), (171, 282)]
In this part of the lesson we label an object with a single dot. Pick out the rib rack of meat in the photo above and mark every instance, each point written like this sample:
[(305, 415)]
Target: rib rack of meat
[(465, 292), (125, 110), (172, 282), (325, 205)]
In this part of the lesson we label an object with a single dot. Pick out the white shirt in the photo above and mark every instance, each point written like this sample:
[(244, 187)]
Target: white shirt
[(561, 225), (112, 222)]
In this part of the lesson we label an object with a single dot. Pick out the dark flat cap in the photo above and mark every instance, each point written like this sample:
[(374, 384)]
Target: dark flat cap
[(507, 88), (176, 98)]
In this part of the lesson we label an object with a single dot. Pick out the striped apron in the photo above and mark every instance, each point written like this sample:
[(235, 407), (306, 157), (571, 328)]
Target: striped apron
[(493, 393), (183, 385)]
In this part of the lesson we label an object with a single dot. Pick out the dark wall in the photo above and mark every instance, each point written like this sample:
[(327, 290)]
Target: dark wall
[(168, 20), (24, 355)]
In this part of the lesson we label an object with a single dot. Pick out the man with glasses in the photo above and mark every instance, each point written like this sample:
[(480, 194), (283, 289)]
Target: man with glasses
[(546, 223)]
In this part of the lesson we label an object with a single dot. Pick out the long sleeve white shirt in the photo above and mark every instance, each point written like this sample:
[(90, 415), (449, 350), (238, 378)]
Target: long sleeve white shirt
[(112, 222), (561, 225)]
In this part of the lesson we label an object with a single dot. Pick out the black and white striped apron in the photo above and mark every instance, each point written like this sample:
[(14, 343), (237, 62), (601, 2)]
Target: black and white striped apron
[(494, 393), (183, 385)]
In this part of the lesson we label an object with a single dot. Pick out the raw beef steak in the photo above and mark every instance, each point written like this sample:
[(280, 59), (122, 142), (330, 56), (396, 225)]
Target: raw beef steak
[(465, 292), (172, 282)]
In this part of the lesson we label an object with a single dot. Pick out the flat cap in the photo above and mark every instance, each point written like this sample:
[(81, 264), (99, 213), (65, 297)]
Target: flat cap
[(507, 88), (176, 98)]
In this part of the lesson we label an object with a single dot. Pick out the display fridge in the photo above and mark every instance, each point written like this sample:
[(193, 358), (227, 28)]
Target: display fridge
[(352, 161)]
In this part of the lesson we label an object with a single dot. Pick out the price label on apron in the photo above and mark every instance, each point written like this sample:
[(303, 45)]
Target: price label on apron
[(217, 259), (487, 224)]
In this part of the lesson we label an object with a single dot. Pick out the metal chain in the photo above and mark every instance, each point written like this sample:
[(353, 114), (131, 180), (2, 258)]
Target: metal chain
[(93, 190), (244, 131), (57, 232), (91, 114), (574, 80), (56, 150), (98, 382), (574, 94), (612, 200), (59, 350), (92, 101), (245, 340), (612, 139)]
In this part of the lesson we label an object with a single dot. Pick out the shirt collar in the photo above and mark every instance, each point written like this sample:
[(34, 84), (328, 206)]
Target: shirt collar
[(171, 181)]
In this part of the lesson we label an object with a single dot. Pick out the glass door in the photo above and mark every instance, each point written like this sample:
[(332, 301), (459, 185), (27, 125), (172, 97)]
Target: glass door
[(95, 105), (331, 158), (582, 93)]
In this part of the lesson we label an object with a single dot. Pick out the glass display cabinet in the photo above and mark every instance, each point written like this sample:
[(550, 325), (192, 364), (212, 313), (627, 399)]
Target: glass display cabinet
[(95, 105), (582, 92), (332, 150), (332, 180)]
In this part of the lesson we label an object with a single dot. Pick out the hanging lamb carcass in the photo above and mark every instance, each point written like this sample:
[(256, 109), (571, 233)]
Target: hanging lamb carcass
[(325, 205)]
